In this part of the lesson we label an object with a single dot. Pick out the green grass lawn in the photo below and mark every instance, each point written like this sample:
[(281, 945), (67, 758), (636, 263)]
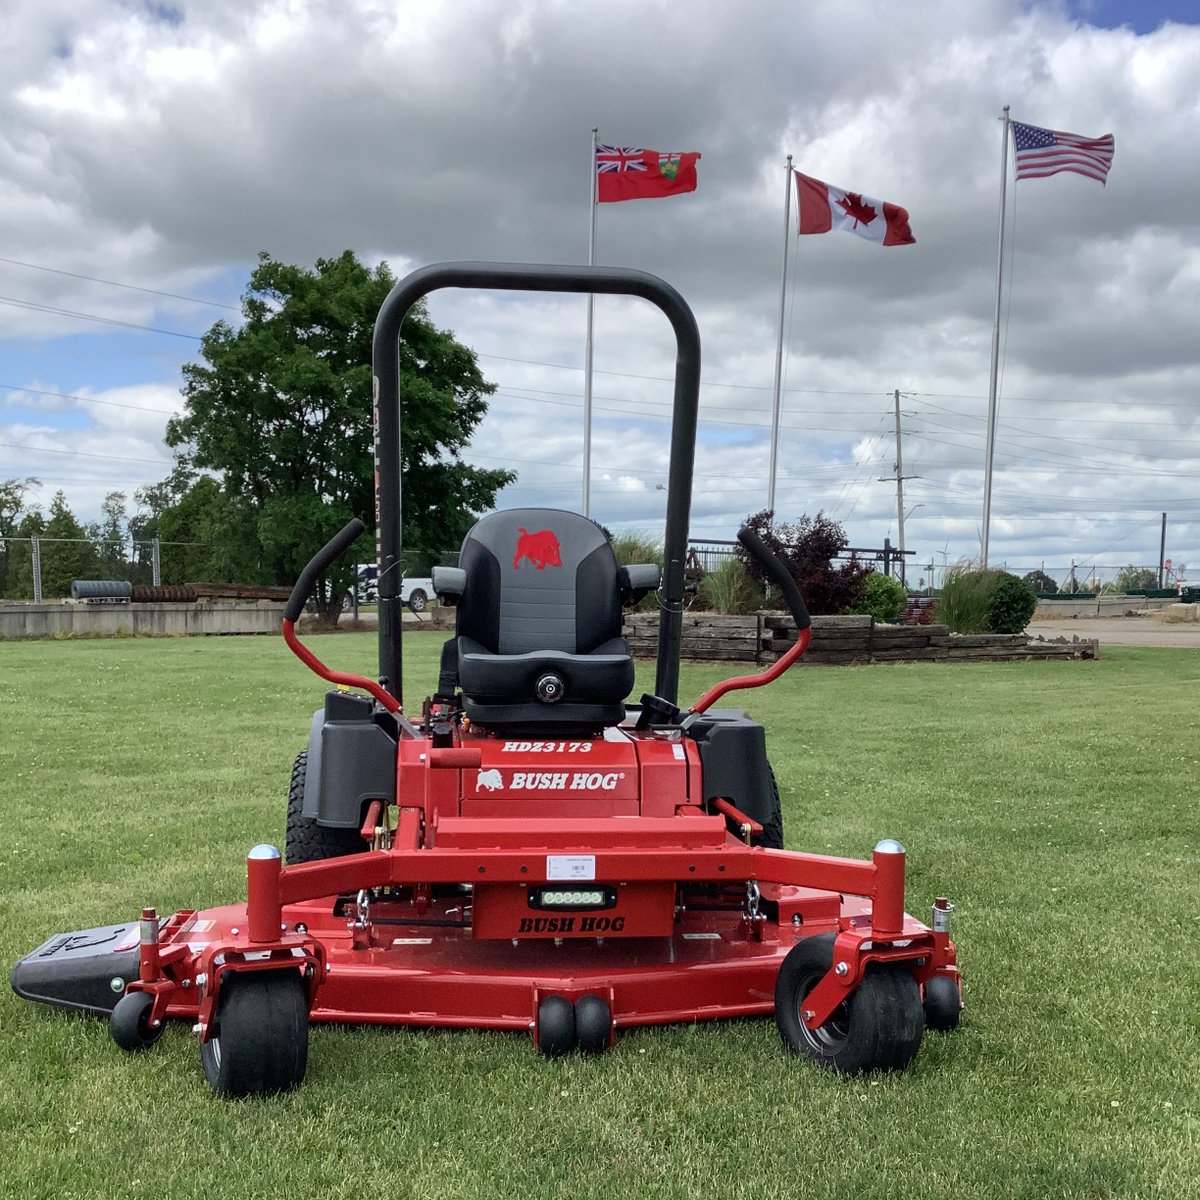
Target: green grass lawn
[(1055, 803)]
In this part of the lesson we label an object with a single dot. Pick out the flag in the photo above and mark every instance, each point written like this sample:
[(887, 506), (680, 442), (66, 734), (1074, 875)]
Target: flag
[(635, 174), (1042, 152), (824, 207)]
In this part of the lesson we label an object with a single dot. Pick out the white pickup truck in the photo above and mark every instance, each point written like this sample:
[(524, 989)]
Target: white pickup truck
[(415, 593)]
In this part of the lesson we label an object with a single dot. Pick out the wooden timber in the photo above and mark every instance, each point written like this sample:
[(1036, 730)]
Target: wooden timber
[(764, 636)]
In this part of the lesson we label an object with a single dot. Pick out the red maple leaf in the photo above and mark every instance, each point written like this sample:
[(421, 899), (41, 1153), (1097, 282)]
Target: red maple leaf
[(852, 205)]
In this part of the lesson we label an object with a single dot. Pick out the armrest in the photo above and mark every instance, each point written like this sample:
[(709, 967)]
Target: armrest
[(449, 583), (637, 581)]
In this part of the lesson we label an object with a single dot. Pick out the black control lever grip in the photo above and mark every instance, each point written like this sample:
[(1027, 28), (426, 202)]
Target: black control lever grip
[(778, 575), (327, 555)]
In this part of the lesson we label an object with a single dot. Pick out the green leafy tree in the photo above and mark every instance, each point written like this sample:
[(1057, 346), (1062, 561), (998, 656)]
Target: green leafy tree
[(110, 536), (67, 552), (281, 408), (1040, 582), (152, 502), (12, 509), (809, 549), (20, 579), (205, 537), (1130, 577)]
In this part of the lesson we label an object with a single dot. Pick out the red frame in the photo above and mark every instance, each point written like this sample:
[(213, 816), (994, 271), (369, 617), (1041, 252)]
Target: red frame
[(689, 945)]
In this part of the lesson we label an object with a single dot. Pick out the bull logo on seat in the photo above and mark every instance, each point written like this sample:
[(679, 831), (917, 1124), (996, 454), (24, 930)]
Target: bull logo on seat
[(540, 548)]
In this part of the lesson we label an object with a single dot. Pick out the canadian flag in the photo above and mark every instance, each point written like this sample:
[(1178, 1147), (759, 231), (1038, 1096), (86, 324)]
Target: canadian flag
[(824, 207)]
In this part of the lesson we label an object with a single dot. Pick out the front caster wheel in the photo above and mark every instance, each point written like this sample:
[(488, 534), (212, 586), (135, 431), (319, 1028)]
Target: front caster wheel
[(877, 1028), (130, 1025), (942, 1004), (593, 1024), (259, 1045), (556, 1026)]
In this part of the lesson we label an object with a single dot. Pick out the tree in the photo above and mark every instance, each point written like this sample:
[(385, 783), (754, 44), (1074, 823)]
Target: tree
[(808, 549), (109, 537), (281, 407), (202, 534), (20, 579), (1131, 577), (67, 552), (12, 509), (1040, 582)]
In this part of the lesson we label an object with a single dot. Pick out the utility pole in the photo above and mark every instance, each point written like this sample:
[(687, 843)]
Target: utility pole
[(1162, 551), (899, 477)]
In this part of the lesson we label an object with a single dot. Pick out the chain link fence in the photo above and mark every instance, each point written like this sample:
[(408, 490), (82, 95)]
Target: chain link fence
[(41, 568)]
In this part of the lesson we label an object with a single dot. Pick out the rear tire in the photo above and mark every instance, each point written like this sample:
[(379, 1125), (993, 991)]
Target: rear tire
[(260, 1042), (306, 841), (771, 837), (418, 602), (877, 1028)]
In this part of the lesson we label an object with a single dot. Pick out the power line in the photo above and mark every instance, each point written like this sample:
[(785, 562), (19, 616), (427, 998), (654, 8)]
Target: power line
[(84, 453), (10, 387), (81, 316), (132, 287)]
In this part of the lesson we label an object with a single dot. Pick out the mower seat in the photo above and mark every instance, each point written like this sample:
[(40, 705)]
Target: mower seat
[(539, 622)]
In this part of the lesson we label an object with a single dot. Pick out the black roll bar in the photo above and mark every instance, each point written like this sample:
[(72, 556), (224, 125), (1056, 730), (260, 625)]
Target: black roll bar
[(532, 277)]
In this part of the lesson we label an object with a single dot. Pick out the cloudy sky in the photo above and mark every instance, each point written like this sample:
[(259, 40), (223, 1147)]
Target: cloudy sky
[(148, 151)]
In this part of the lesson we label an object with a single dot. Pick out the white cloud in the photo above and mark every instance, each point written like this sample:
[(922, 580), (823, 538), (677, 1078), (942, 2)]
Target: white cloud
[(167, 153)]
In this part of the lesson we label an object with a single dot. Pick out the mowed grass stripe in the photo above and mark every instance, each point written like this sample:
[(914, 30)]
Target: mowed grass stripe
[(1054, 802)]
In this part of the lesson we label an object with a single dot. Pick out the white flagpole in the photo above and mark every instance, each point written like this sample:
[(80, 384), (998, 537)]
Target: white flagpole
[(991, 429), (778, 394), (587, 357)]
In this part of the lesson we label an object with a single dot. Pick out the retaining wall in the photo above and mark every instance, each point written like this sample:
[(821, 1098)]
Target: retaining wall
[(164, 620), (1100, 606), (764, 636)]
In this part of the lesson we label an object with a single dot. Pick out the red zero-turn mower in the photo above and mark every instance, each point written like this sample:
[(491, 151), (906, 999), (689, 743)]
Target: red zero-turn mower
[(530, 851)]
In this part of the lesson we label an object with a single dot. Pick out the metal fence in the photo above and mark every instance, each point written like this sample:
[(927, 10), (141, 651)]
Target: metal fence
[(42, 568)]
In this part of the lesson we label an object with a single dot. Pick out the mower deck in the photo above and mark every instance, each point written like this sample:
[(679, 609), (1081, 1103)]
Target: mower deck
[(430, 971)]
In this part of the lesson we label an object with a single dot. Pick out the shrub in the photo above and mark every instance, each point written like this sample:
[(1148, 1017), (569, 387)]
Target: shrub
[(963, 601), (808, 549), (885, 598), (985, 601), (1011, 602), (729, 589)]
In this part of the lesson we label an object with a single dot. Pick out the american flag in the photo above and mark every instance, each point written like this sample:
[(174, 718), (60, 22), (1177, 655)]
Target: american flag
[(617, 158), (1042, 152)]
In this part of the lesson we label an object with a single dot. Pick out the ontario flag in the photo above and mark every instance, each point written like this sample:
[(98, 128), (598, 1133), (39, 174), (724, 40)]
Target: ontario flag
[(824, 207), (634, 174)]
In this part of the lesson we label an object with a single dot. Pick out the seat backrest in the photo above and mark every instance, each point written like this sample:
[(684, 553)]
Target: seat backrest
[(539, 579)]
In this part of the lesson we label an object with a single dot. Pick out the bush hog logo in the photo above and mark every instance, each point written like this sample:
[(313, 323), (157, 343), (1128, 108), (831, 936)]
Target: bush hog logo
[(549, 781), (560, 925), (539, 548)]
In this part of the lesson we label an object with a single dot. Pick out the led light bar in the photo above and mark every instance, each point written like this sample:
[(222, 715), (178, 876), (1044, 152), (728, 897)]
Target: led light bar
[(568, 898)]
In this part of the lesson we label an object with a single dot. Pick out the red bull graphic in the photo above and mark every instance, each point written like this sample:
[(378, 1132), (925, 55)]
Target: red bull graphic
[(539, 548)]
